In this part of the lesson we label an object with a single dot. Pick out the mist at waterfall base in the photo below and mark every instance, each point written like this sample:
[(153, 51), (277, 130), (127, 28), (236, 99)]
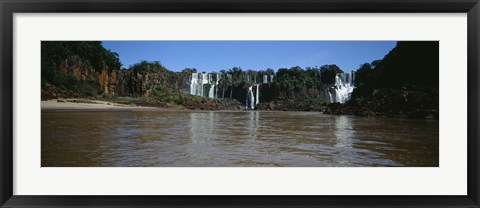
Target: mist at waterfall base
[(340, 92)]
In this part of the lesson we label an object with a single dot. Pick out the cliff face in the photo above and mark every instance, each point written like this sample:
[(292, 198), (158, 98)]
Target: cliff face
[(87, 69), (92, 83), (80, 82), (147, 78), (77, 69)]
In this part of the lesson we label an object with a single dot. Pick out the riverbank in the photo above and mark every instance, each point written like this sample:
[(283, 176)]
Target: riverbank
[(316, 105), (93, 105), (116, 105)]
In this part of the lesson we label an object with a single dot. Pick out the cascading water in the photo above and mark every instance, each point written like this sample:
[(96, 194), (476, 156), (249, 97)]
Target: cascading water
[(211, 92), (257, 97), (343, 88), (204, 81), (194, 84), (330, 97), (198, 80), (216, 84), (250, 101)]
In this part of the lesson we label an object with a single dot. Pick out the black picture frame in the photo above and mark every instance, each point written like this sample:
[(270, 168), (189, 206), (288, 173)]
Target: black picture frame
[(9, 7)]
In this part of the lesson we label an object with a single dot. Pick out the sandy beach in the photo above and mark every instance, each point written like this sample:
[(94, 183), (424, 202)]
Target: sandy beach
[(92, 105)]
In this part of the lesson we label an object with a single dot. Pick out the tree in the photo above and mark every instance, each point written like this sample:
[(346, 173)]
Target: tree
[(364, 75), (270, 71), (189, 70), (251, 76), (410, 63), (328, 73), (147, 66)]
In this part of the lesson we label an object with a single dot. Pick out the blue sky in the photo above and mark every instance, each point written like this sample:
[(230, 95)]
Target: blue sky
[(257, 55)]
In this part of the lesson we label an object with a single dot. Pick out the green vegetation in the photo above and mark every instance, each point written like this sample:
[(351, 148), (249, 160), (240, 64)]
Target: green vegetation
[(78, 53), (68, 83), (75, 68), (404, 82), (309, 104), (289, 83)]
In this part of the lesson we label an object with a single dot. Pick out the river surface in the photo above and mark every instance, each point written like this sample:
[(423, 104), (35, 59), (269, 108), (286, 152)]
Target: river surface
[(235, 139)]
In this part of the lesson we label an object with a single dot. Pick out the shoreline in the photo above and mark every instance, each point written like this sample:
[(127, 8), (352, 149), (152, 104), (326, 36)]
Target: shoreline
[(82, 105), (85, 105), (73, 105)]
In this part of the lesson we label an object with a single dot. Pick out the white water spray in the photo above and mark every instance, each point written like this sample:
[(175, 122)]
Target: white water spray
[(342, 89)]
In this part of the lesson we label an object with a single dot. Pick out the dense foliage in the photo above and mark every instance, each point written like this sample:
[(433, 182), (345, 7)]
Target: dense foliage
[(144, 78), (289, 83), (71, 68), (86, 54), (404, 82)]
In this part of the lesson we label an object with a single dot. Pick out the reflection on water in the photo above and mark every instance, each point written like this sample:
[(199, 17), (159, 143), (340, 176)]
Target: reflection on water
[(343, 132), (225, 139)]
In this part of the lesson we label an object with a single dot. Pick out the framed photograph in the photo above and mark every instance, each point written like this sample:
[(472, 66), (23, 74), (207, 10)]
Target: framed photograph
[(264, 103)]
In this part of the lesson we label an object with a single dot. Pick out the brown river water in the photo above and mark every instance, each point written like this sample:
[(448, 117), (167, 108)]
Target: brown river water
[(235, 139)]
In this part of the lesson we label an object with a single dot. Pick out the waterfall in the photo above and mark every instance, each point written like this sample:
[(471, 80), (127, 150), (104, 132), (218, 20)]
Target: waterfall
[(200, 85), (257, 97), (205, 80), (211, 92), (330, 97), (197, 82), (250, 100), (193, 84), (342, 89), (339, 90), (216, 84)]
